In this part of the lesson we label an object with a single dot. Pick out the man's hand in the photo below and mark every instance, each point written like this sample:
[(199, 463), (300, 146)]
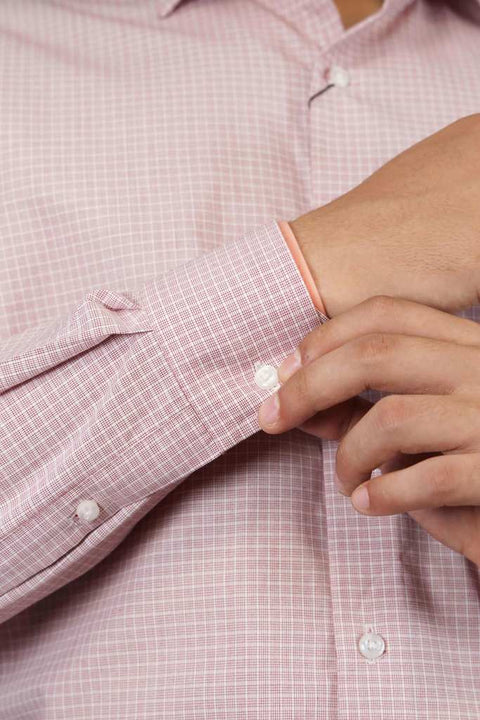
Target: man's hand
[(411, 230), (425, 438)]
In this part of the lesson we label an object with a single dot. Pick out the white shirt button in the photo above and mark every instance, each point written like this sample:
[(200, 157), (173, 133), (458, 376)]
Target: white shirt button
[(266, 376), (338, 76), (371, 645), (88, 510)]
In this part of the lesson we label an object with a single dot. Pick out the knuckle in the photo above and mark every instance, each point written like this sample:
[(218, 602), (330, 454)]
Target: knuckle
[(373, 347), (302, 390), (441, 482), (310, 346), (471, 121), (381, 306), (391, 411), (307, 348)]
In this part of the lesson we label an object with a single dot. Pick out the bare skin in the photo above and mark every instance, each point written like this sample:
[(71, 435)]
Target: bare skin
[(354, 11), (410, 230), (425, 436), (391, 259)]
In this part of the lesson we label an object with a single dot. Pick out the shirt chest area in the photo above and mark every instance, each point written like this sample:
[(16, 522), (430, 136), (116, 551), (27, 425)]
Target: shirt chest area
[(241, 110), (130, 147)]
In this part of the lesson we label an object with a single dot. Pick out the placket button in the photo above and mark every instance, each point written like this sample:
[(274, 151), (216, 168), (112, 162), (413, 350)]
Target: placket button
[(371, 645), (338, 76)]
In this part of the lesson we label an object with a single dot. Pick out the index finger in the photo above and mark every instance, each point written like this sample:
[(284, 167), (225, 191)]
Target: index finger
[(384, 314), (380, 361)]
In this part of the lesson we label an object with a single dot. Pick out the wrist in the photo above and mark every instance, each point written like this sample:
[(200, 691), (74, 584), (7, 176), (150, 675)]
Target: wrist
[(322, 237), (306, 233), (302, 265)]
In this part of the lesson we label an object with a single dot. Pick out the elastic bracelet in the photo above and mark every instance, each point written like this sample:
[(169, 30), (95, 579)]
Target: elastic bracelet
[(301, 263)]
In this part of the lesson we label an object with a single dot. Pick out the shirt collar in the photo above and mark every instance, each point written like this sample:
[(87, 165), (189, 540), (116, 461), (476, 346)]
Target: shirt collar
[(165, 7)]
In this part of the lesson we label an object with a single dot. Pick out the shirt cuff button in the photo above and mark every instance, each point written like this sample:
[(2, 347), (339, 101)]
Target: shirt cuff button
[(88, 510), (266, 376)]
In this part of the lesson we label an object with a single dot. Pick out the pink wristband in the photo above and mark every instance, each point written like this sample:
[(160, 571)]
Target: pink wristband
[(301, 263)]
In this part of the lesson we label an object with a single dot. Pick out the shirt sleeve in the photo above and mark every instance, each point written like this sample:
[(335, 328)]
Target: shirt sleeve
[(129, 394)]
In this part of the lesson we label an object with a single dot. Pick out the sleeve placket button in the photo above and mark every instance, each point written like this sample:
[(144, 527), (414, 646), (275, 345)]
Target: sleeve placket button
[(88, 510)]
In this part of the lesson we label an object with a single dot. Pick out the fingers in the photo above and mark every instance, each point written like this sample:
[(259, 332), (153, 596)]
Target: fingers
[(334, 422), (456, 527), (444, 480), (409, 424), (384, 362), (382, 314)]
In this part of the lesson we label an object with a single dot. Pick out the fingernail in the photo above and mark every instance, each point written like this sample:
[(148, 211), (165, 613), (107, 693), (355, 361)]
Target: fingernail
[(269, 410), (339, 484), (290, 365), (341, 489), (361, 498)]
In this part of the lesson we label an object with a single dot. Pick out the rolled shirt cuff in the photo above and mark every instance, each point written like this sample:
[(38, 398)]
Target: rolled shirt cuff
[(301, 263)]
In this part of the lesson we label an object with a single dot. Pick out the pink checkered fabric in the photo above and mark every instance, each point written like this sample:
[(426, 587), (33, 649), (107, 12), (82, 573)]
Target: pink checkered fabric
[(147, 149)]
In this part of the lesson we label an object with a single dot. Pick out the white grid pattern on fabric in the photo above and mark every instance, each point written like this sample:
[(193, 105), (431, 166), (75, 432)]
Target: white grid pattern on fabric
[(146, 153)]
